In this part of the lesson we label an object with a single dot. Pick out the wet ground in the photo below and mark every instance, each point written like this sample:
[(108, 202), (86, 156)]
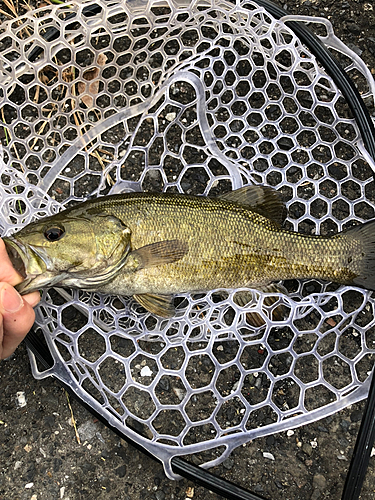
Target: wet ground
[(41, 458)]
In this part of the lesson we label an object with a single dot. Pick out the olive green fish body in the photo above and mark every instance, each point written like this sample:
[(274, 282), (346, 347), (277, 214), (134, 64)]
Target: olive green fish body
[(178, 243), (228, 245)]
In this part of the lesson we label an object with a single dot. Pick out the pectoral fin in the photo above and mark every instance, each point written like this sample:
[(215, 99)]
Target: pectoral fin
[(161, 305), (159, 253)]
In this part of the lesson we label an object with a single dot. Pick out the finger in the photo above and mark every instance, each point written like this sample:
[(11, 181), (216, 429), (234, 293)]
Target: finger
[(18, 318), (32, 298), (7, 271), (1, 338)]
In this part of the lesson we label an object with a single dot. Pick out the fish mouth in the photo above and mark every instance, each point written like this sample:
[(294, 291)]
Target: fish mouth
[(28, 262), (17, 256)]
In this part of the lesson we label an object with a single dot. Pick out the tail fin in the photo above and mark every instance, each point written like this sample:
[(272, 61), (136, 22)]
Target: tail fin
[(362, 262)]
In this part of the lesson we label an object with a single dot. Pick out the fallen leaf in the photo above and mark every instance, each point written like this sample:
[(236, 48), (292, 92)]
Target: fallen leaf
[(92, 88)]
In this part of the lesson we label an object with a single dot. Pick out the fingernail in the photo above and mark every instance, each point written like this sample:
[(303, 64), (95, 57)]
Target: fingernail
[(11, 300)]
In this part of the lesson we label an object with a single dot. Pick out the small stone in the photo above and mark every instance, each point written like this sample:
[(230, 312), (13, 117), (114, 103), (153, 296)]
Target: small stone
[(29, 485), (120, 471), (268, 455), (164, 384), (319, 481), (354, 28), (270, 440), (345, 424), (235, 386), (87, 430), (371, 45), (289, 432), (228, 463), (307, 448), (180, 393), (28, 448), (21, 399), (356, 416), (190, 492), (49, 421), (344, 443), (57, 463), (146, 372), (160, 495), (29, 475), (316, 494), (87, 467)]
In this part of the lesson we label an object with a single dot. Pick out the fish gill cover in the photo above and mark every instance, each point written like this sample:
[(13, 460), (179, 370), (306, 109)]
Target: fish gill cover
[(200, 99)]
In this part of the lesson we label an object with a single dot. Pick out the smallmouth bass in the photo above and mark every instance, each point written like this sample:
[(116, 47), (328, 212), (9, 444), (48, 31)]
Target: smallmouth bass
[(152, 246)]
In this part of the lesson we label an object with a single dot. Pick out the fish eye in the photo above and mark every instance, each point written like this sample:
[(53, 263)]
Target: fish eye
[(54, 233)]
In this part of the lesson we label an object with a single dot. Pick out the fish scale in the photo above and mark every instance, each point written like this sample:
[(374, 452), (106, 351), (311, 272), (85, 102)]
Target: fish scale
[(229, 246)]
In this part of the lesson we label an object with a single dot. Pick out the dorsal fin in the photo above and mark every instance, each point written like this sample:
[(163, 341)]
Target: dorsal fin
[(263, 200)]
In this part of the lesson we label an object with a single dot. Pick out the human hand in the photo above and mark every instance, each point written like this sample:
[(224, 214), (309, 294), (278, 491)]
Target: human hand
[(16, 312)]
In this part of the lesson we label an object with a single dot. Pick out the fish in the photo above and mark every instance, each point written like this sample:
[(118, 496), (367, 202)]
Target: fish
[(153, 246)]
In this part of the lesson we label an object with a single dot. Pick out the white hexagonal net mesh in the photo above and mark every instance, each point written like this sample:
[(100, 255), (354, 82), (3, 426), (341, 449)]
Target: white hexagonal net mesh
[(200, 98)]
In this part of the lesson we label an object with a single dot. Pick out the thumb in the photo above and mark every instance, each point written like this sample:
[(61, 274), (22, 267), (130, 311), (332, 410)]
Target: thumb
[(18, 317), (10, 300)]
